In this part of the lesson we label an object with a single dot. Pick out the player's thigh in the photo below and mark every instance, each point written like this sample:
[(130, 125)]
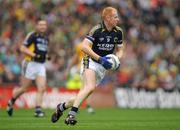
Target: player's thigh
[(24, 84), (89, 78), (41, 77), (29, 70), (41, 83)]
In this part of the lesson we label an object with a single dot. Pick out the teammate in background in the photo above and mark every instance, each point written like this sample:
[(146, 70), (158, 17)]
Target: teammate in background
[(104, 39), (76, 60), (35, 47)]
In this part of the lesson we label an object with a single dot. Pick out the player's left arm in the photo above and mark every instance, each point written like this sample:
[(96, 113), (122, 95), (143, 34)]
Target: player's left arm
[(120, 44), (120, 51)]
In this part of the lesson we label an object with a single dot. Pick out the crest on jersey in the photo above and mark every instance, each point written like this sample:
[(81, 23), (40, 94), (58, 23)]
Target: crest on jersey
[(94, 29), (115, 39), (101, 39)]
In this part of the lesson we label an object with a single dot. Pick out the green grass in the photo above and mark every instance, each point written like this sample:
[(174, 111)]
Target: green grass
[(103, 119)]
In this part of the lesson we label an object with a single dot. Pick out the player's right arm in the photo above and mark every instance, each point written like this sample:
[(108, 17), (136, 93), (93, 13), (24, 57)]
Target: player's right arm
[(87, 49), (102, 60), (26, 51), (27, 42), (89, 41)]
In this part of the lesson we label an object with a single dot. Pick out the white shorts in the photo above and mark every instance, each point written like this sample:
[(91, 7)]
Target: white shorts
[(31, 69), (98, 68)]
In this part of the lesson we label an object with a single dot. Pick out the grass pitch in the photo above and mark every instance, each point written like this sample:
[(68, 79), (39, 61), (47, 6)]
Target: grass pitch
[(103, 119)]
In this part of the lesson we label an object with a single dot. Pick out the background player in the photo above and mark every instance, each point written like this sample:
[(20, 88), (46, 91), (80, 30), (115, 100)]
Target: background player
[(104, 39), (35, 48)]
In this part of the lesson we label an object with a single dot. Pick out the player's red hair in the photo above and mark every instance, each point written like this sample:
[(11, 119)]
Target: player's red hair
[(107, 12)]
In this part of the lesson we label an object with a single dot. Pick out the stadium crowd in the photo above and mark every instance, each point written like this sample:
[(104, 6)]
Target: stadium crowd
[(151, 34)]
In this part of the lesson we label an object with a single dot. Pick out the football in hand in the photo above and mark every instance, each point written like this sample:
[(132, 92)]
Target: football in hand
[(114, 60)]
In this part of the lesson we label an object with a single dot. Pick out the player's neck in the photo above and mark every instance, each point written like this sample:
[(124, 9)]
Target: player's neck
[(41, 33), (108, 27)]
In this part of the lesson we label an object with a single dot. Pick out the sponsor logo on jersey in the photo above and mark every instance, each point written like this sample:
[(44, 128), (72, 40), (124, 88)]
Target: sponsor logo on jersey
[(105, 46)]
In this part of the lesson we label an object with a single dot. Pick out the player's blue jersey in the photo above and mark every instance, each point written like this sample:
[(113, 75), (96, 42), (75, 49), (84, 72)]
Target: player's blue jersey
[(37, 43), (104, 41)]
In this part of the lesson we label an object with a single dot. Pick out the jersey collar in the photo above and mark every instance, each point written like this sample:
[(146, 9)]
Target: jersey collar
[(104, 28), (40, 34)]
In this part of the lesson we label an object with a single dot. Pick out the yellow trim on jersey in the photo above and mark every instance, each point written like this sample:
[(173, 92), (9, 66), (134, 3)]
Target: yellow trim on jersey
[(103, 30), (92, 31), (86, 62), (114, 30), (31, 48), (120, 29)]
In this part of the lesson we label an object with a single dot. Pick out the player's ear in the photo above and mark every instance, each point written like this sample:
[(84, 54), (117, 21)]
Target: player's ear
[(108, 18)]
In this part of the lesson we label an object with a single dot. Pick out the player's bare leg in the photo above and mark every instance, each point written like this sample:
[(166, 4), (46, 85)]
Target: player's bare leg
[(60, 108), (89, 83), (41, 88), (25, 83)]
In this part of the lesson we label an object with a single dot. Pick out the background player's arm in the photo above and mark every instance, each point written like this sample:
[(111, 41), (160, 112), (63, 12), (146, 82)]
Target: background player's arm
[(87, 50), (27, 42), (73, 61), (26, 51)]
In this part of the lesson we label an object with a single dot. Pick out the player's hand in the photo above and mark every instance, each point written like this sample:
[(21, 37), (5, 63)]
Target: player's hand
[(105, 63), (48, 57), (39, 57)]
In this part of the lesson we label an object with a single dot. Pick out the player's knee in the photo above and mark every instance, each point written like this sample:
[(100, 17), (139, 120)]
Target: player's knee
[(90, 89), (41, 89), (24, 89)]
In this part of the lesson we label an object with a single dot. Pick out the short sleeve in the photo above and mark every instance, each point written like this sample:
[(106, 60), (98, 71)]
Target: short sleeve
[(120, 36), (29, 39), (92, 34)]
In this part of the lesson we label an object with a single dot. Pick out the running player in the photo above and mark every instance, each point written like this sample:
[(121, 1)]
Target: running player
[(104, 39), (76, 61), (35, 47)]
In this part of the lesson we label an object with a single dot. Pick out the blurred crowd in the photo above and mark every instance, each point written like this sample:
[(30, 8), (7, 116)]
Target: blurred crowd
[(151, 37)]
